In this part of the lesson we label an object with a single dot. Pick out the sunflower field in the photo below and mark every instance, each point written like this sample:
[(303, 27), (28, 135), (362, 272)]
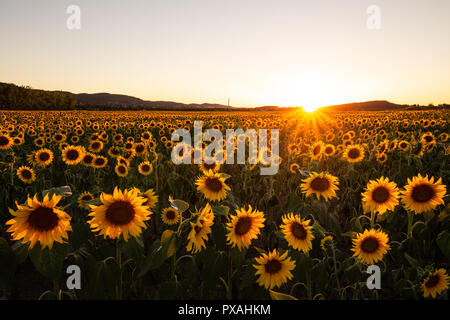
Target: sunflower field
[(97, 192)]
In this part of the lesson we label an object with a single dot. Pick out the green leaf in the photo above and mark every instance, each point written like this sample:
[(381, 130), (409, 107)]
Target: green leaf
[(8, 265), (179, 205), (60, 191), (49, 262), (443, 241), (169, 239), (280, 296), (413, 262), (157, 254), (221, 210)]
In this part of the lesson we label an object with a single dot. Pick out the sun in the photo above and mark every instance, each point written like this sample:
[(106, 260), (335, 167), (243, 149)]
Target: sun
[(310, 108)]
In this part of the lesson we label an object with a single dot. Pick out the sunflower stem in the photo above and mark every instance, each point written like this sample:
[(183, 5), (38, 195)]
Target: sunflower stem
[(119, 262), (410, 221), (335, 269)]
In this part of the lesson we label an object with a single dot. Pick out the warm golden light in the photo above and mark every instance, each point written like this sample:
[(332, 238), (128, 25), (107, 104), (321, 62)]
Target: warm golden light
[(310, 108)]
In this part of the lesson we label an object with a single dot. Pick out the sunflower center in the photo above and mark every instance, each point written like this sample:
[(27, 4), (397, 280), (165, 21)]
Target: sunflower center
[(213, 184), (273, 266), (316, 150), (432, 281), (380, 195), (95, 145), (243, 226), (145, 168), (422, 193), (43, 219), (120, 213), (428, 138), (88, 158), (26, 174), (320, 184), (122, 169), (170, 215), (354, 153), (86, 198), (298, 230), (72, 154), (197, 229), (44, 156), (370, 245)]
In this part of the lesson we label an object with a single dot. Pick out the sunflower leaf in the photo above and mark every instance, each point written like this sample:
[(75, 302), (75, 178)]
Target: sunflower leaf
[(179, 205), (281, 296)]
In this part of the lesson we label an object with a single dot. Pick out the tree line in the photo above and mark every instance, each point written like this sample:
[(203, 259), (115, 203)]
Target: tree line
[(14, 97)]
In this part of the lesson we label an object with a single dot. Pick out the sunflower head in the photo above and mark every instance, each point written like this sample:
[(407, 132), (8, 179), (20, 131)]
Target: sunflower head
[(145, 168), (170, 216), (83, 199), (370, 246), (151, 198), (273, 269), (423, 194), (436, 282), (122, 213), (297, 232), (244, 227), (213, 186), (200, 229), (353, 153), (26, 174), (380, 196), (72, 154), (320, 184), (42, 222)]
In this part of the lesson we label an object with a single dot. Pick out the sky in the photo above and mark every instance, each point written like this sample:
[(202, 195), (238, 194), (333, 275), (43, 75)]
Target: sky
[(255, 52)]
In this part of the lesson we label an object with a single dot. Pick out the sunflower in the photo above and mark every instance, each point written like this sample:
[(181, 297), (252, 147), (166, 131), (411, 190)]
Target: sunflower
[(44, 157), (293, 168), (273, 269), (99, 162), (26, 174), (326, 242), (329, 150), (88, 159), (320, 184), (423, 194), (121, 213), (244, 227), (380, 195), (205, 166), (382, 157), (403, 145), (41, 222), (353, 153), (5, 142), (212, 185), (435, 283), (170, 216), (297, 232), (121, 170), (96, 146), (151, 197), (316, 150), (72, 155), (145, 168), (83, 198), (200, 229), (370, 246)]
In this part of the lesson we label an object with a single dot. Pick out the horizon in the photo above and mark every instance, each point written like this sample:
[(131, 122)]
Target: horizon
[(294, 53)]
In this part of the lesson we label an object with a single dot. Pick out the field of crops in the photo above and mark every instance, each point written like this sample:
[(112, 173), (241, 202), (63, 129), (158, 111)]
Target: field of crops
[(99, 191)]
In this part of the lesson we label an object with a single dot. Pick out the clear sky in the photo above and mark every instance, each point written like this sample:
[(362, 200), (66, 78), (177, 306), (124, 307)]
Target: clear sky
[(256, 52)]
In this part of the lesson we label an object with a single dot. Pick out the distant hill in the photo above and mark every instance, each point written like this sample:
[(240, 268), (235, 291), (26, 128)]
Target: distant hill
[(377, 105), (124, 101), (13, 97)]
